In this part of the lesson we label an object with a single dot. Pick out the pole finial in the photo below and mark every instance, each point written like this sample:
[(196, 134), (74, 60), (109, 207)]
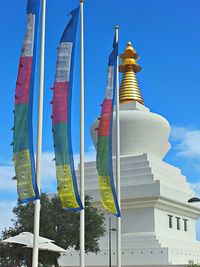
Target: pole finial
[(81, 1), (117, 27)]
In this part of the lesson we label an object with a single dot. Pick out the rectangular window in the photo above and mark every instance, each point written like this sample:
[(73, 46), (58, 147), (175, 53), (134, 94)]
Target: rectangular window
[(170, 221), (178, 223), (185, 225)]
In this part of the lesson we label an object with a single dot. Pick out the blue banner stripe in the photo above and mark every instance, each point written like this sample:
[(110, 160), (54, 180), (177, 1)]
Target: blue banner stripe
[(71, 28), (32, 6), (72, 36), (23, 129), (113, 62), (62, 140)]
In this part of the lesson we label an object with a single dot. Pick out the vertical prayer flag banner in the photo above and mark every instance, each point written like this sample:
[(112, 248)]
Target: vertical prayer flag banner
[(61, 117), (104, 144), (22, 139)]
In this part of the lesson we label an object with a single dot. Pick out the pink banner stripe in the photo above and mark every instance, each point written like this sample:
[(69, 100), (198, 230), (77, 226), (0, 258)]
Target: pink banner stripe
[(104, 125), (107, 106), (60, 98), (23, 80)]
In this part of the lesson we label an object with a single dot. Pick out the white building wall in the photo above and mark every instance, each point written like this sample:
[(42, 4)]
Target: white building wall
[(151, 190), (162, 226), (138, 220)]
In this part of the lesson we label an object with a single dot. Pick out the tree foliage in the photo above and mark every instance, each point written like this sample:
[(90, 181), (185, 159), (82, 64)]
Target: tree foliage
[(55, 224)]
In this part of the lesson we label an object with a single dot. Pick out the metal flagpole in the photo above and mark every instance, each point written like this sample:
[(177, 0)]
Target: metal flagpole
[(39, 141), (109, 243), (82, 175), (118, 158)]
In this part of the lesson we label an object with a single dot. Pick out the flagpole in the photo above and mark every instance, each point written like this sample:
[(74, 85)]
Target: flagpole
[(118, 157), (82, 175), (39, 142)]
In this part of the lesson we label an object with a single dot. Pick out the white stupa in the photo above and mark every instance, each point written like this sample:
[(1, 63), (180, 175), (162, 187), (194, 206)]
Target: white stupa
[(158, 224)]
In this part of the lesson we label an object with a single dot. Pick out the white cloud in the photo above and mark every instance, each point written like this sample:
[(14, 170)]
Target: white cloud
[(186, 147), (8, 188), (187, 142), (48, 172), (178, 132), (6, 214), (6, 175)]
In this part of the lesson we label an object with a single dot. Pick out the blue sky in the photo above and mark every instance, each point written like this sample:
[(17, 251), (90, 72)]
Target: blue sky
[(166, 35)]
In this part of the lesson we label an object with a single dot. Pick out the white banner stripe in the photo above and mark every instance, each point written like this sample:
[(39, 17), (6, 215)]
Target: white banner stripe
[(110, 81), (27, 48), (64, 62)]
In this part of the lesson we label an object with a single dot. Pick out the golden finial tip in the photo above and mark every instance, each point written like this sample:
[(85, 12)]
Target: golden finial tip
[(129, 88)]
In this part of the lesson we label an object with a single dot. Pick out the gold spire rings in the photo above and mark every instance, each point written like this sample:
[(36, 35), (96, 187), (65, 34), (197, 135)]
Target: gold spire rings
[(129, 88)]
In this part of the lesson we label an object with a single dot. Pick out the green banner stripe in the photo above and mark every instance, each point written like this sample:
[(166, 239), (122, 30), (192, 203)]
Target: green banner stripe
[(103, 155), (21, 126), (61, 143)]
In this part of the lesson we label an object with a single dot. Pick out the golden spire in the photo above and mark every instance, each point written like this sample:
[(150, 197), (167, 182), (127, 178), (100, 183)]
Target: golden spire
[(129, 88)]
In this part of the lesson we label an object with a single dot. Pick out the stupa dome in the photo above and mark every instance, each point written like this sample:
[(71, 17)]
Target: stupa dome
[(141, 131)]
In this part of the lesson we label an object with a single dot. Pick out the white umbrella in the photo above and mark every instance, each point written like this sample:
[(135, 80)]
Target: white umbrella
[(26, 239), (50, 247)]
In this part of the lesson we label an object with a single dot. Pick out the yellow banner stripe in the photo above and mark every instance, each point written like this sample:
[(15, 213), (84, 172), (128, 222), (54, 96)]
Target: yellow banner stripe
[(66, 187), (106, 194), (24, 175)]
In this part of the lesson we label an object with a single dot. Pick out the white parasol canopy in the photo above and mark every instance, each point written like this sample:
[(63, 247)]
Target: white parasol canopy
[(26, 239), (50, 247)]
